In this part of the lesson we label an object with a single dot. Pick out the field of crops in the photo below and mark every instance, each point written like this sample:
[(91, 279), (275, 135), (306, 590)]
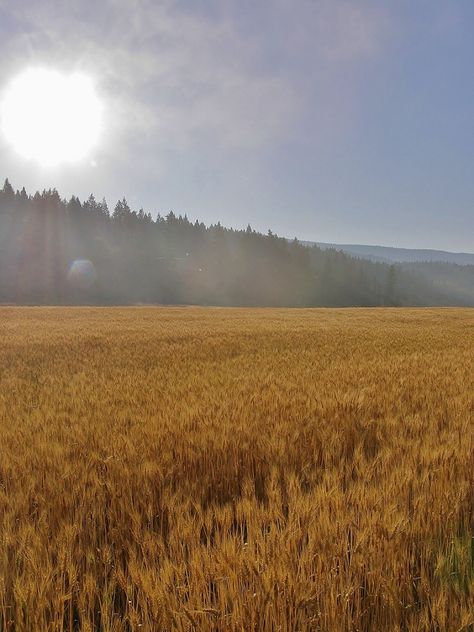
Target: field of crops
[(178, 469)]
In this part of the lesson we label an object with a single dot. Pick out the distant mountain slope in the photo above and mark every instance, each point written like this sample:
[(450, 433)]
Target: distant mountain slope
[(398, 255)]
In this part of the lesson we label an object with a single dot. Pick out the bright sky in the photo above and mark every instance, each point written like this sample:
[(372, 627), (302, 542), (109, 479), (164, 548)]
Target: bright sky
[(346, 121)]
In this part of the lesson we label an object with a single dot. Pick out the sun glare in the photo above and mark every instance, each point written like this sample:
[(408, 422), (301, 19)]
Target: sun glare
[(50, 117)]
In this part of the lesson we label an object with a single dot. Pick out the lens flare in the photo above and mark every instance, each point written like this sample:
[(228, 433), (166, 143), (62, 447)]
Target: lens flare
[(82, 274), (50, 117)]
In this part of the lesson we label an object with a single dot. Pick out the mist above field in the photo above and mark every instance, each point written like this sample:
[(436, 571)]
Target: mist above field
[(54, 251)]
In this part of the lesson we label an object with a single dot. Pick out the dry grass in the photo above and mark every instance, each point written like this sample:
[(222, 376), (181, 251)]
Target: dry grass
[(236, 470)]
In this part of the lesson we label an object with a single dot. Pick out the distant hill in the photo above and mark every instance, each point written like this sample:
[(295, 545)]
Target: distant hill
[(398, 255)]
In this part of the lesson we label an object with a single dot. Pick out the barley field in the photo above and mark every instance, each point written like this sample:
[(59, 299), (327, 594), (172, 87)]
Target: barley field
[(194, 469)]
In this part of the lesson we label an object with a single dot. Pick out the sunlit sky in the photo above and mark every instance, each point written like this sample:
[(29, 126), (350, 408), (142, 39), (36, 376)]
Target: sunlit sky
[(341, 121)]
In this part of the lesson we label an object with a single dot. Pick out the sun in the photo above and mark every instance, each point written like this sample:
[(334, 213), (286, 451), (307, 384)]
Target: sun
[(50, 117)]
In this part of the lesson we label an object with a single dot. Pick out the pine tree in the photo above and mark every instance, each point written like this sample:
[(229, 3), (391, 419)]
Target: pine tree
[(8, 189)]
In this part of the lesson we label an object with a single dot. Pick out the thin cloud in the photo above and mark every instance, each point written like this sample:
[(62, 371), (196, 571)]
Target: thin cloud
[(356, 30), (181, 77), (165, 70)]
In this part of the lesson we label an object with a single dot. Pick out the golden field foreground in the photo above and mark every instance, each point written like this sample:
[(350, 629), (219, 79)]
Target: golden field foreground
[(236, 470)]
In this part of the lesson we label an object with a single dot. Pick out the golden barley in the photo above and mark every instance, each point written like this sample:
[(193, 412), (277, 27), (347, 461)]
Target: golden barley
[(236, 470)]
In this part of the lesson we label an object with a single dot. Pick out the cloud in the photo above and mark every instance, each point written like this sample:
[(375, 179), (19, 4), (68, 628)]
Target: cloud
[(163, 70), (334, 31), (356, 30), (205, 80)]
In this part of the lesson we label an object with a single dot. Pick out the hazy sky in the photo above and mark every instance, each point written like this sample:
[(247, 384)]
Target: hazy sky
[(343, 121)]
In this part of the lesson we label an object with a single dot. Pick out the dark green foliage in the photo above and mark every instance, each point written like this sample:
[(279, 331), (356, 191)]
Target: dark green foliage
[(137, 259)]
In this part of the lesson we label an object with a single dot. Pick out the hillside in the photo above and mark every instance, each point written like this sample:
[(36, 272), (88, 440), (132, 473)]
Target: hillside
[(398, 255), (57, 251)]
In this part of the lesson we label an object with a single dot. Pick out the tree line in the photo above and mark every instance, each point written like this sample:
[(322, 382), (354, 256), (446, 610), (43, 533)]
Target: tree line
[(57, 251)]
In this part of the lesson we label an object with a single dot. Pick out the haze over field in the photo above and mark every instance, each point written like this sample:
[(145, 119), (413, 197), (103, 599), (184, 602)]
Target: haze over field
[(54, 251), (332, 120)]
